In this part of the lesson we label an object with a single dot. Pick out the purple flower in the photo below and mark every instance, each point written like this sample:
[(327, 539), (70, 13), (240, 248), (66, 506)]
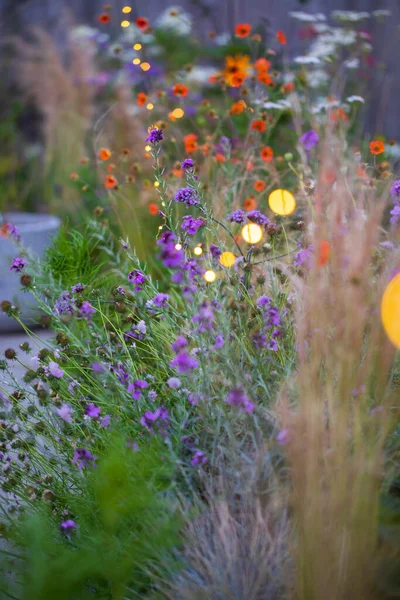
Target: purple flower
[(303, 257), (13, 232), (105, 421), (191, 224), (264, 301), (395, 215), (55, 370), (87, 309), (205, 318), (83, 458), (180, 343), (136, 388), (199, 458), (309, 139), (65, 412), (187, 164), (64, 304), (171, 257), (137, 278), (183, 362), (283, 437), (188, 195), (18, 264), (155, 135), (238, 398), (219, 342), (255, 216), (121, 290), (149, 418), (237, 216), (67, 526), (272, 345), (92, 411), (97, 367), (78, 288), (215, 251), (395, 190), (161, 300), (174, 383)]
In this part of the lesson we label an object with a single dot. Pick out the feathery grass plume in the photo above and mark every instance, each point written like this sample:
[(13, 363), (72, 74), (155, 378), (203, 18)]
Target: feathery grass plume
[(238, 547), (335, 432), (61, 89)]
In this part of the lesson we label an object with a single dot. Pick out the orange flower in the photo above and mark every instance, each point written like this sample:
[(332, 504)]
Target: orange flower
[(141, 98), (249, 165), (153, 209), (206, 149), (287, 88), (142, 23), (281, 37), (259, 185), (110, 182), (104, 154), (267, 154), (110, 168), (324, 253), (177, 172), (180, 90), (237, 108), (250, 203), (264, 78), (262, 65), (190, 141), (338, 115), (104, 18), (220, 157), (258, 125), (84, 160), (242, 30), (377, 147), (236, 69)]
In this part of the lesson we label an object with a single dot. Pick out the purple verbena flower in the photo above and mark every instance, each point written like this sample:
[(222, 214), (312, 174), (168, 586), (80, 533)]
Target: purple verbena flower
[(215, 251), (174, 383), (237, 216), (238, 398), (161, 300), (180, 342), (149, 418), (18, 264), (79, 287), (255, 216), (136, 387), (92, 411), (183, 362), (219, 342), (187, 164), (67, 526), (199, 458), (395, 215), (309, 139), (55, 370), (188, 195), (395, 189), (155, 135), (137, 278), (83, 458), (105, 421), (64, 304), (87, 309), (191, 224), (263, 301), (65, 412), (283, 437), (303, 257)]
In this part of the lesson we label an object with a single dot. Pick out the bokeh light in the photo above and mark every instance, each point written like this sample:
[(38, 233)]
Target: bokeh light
[(137, 47), (390, 310), (252, 233), (147, 148), (136, 61), (145, 66), (282, 202), (156, 184), (150, 106), (178, 246), (198, 251), (125, 23), (178, 113), (210, 276), (227, 259), (127, 9)]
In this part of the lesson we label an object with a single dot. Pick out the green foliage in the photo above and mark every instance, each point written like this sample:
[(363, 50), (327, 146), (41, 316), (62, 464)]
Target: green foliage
[(124, 512)]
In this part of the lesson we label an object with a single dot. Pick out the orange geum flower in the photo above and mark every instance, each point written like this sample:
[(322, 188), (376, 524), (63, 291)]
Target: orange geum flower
[(262, 65), (180, 90), (242, 30), (190, 141), (267, 154), (237, 107), (258, 125), (220, 157), (104, 18), (324, 253), (104, 154), (236, 69), (141, 99), (377, 147), (153, 209), (281, 37), (238, 79), (259, 185), (265, 78), (287, 88), (250, 203), (110, 182)]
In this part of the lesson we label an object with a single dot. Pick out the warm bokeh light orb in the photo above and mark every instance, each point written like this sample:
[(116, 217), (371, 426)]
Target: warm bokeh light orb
[(137, 47), (136, 61), (252, 233), (178, 246), (147, 148), (227, 259), (178, 113), (150, 106), (198, 251), (156, 184), (210, 276), (390, 310), (145, 66), (282, 202), (127, 9), (125, 24)]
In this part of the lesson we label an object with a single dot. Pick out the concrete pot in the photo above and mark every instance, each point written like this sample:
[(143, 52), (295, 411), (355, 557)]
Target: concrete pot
[(36, 232)]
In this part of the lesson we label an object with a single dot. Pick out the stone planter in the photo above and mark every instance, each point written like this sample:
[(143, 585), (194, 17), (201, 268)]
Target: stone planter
[(36, 232)]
